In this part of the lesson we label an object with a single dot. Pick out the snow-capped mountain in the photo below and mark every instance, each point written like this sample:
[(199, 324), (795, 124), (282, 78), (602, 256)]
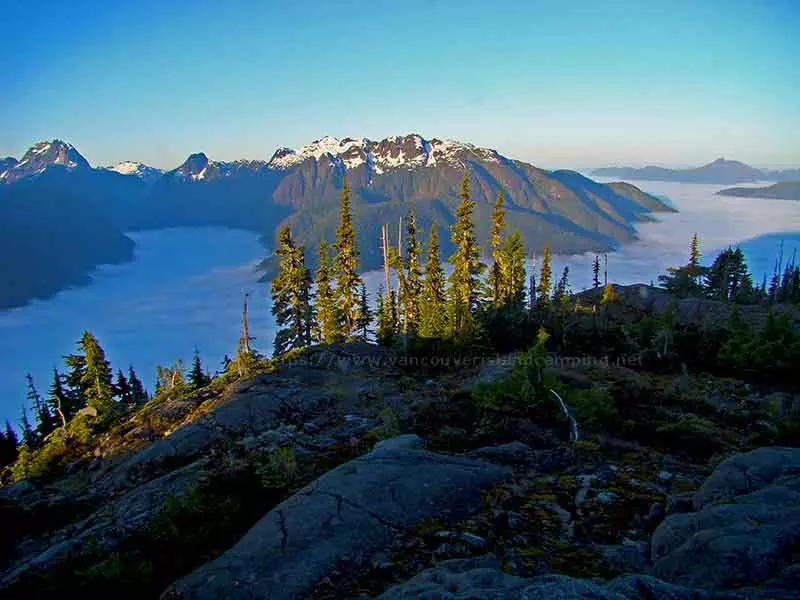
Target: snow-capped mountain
[(142, 171), (395, 152), (198, 167), (42, 156)]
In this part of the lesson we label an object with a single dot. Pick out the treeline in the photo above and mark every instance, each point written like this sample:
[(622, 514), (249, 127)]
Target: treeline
[(85, 399), (728, 278), (333, 306)]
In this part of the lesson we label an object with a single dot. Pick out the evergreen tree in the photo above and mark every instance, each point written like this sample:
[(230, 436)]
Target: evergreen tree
[(545, 278), (138, 393), (97, 376), (596, 271), (413, 276), (694, 260), (29, 437), (327, 320), (197, 376), (364, 314), (75, 383), (8, 446), (561, 289), (433, 318), (123, 389), (496, 279), (291, 296), (512, 278), (532, 288), (387, 318), (57, 399), (348, 282), (465, 283), (44, 420)]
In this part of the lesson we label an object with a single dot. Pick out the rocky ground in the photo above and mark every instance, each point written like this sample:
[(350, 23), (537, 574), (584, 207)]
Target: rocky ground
[(342, 474)]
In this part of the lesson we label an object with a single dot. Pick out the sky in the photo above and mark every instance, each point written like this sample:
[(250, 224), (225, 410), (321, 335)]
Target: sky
[(558, 84)]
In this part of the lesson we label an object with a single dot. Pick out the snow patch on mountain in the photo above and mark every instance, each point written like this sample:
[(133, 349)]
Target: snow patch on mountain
[(395, 152)]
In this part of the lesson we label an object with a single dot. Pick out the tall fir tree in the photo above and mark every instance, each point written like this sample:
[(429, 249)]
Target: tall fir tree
[(74, 381), (138, 393), (28, 434), (693, 267), (512, 290), (364, 315), (596, 271), (348, 282), (386, 327), (413, 276), (291, 296), (497, 283), (561, 290), (97, 376), (532, 287), (327, 319), (433, 317), (58, 400), (198, 378), (465, 281), (44, 420), (545, 278)]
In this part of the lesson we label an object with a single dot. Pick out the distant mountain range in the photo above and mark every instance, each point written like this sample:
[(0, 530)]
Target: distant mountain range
[(562, 209), (784, 190), (720, 171)]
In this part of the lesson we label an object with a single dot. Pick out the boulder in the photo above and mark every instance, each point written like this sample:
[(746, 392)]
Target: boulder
[(351, 511), (745, 530), (477, 579)]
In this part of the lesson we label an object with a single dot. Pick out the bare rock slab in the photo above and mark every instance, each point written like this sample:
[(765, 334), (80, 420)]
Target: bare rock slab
[(350, 511)]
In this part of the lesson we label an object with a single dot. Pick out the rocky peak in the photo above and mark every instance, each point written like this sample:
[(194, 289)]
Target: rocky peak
[(43, 155), (408, 151)]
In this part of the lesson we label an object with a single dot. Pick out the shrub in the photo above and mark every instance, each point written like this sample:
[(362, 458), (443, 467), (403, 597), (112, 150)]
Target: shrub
[(593, 408)]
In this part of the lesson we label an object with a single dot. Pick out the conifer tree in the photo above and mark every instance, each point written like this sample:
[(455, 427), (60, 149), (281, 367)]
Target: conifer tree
[(122, 389), (545, 278), (512, 280), (348, 282), (433, 318), (58, 401), (386, 328), (364, 314), (291, 296), (693, 267), (138, 393), (561, 289), (596, 271), (97, 376), (532, 288), (496, 274), (412, 289), (29, 437), (197, 376), (465, 283), (74, 381), (41, 412), (327, 321), (8, 446)]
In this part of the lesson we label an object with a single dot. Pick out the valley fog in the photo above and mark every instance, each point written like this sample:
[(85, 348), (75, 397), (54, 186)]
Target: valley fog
[(184, 289)]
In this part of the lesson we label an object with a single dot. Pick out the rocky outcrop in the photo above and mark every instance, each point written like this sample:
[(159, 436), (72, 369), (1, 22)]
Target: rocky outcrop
[(355, 509), (482, 579), (745, 529)]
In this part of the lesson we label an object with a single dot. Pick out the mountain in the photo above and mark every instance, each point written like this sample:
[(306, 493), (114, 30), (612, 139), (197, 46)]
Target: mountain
[(302, 188), (785, 190), (44, 155), (50, 240), (144, 172), (783, 175), (719, 171)]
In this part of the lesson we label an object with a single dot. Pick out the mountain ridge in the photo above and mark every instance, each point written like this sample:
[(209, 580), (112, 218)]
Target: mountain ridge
[(302, 188), (720, 170)]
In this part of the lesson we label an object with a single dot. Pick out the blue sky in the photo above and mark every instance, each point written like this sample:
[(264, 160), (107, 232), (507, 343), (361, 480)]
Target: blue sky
[(562, 84)]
